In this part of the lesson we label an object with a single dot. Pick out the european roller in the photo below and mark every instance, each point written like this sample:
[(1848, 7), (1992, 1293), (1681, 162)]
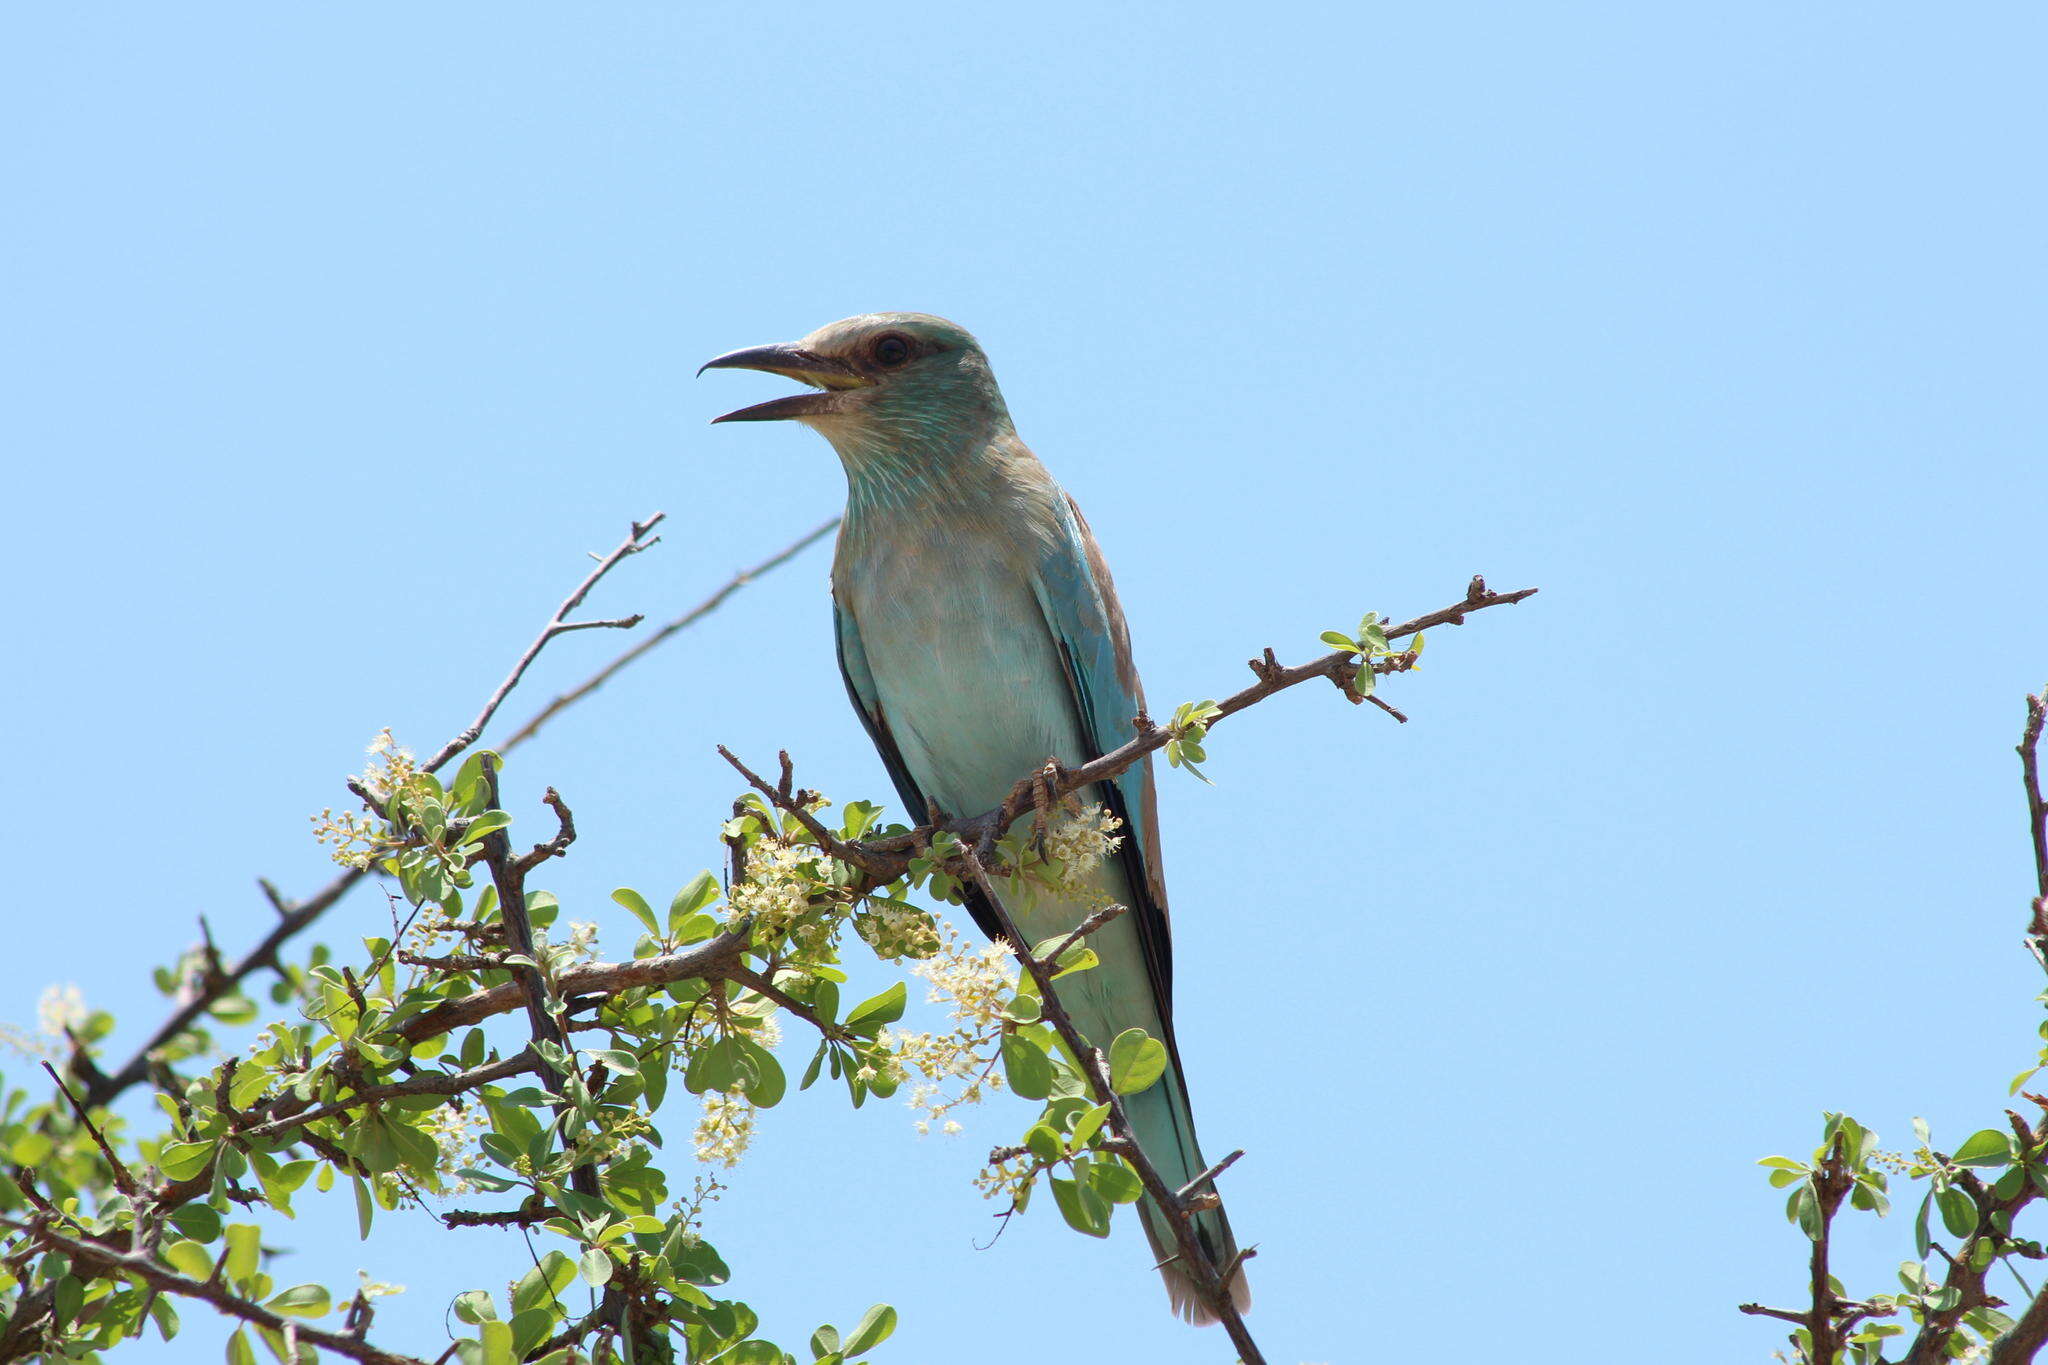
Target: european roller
[(979, 635)]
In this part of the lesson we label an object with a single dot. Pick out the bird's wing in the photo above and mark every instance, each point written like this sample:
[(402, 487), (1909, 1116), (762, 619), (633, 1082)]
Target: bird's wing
[(1081, 611), (860, 686)]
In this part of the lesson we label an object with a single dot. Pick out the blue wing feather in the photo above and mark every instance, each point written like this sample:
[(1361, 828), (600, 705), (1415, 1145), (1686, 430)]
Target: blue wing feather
[(1081, 610), (860, 686)]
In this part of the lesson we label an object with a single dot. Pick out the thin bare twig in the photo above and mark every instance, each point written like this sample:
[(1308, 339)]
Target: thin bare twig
[(637, 539), (683, 622), (2037, 814), (124, 1180)]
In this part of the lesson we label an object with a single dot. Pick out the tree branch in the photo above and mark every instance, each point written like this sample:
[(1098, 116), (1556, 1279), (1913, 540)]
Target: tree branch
[(702, 961), (2037, 817), (137, 1266), (2024, 1341)]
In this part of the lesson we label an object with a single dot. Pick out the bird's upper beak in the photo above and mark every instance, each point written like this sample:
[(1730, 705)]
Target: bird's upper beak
[(835, 377)]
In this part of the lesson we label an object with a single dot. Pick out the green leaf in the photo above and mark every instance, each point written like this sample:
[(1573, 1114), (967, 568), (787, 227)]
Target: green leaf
[(179, 1160), (1115, 1181), (817, 1062), (619, 1061), (531, 1328), (702, 891), (1135, 1061), (199, 1221), (1804, 1210), (366, 1206), (1026, 1066), (32, 1149), (474, 1306), (1922, 1242), (1958, 1211), (1079, 958), (243, 1257), (869, 1015), (496, 1339), (240, 1352), (1988, 1147), (490, 822), (872, 1330), (642, 911), (302, 1301), (189, 1259), (1043, 1143), (1337, 639), (1088, 1124), (825, 1342), (1084, 1209), (595, 1267), (233, 1009), (544, 1283)]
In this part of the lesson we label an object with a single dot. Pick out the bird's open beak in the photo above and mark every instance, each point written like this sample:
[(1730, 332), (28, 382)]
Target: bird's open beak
[(834, 377)]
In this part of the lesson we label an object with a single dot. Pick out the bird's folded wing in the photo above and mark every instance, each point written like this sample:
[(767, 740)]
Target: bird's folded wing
[(1087, 623), (860, 686)]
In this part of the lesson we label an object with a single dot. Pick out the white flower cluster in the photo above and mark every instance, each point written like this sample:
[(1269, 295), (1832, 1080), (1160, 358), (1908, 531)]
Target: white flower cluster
[(455, 1131), (1077, 843), (583, 940), (895, 930), (975, 982), (61, 1007), (726, 1127), (776, 891), (391, 763)]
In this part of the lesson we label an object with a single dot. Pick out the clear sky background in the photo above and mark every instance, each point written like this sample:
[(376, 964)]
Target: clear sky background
[(336, 335)]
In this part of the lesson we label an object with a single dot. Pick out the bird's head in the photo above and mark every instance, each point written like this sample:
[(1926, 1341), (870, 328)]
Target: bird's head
[(886, 382)]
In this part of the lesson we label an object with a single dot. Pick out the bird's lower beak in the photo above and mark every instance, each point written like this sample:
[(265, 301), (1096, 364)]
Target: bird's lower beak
[(834, 377)]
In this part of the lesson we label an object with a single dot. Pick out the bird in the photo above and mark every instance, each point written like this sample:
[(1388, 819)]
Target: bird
[(979, 635)]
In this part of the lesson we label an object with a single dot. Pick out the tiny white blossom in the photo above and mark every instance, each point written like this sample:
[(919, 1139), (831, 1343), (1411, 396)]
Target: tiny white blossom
[(61, 1007)]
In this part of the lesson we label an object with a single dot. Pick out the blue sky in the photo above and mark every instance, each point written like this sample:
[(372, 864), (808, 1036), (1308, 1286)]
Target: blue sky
[(338, 334)]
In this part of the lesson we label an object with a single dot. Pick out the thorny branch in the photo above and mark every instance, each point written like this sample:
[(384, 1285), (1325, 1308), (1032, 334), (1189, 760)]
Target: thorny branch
[(137, 1265)]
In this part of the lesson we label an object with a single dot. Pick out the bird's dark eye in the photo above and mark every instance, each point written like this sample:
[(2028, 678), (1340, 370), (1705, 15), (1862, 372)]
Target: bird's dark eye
[(891, 350)]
